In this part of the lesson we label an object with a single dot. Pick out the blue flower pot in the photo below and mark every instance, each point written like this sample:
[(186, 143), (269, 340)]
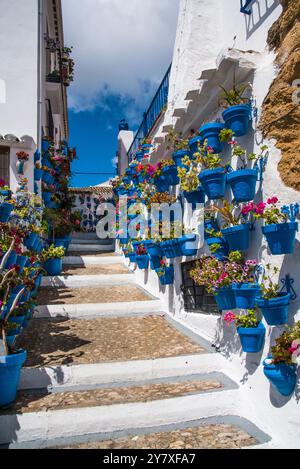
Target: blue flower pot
[(45, 145), (38, 173), (243, 184), (21, 262), (252, 338), (5, 211), (222, 252), (178, 157), (193, 144), (11, 260), (155, 263), (225, 299), (168, 278), (146, 148), (135, 245), (210, 225), (5, 194), (171, 248), (245, 295), (139, 156), (237, 237), (162, 184), (17, 320), (10, 368), (154, 250), (275, 310), (30, 240), (142, 261), (195, 197), (283, 377), (237, 118), (123, 240), (171, 175), (47, 197), (214, 183), (281, 237), (189, 244), (63, 242), (132, 258), (210, 132), (53, 267)]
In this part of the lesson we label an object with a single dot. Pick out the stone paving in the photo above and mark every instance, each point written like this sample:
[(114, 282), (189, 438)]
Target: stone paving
[(89, 295), (64, 341), (42, 402), (107, 269), (203, 437)]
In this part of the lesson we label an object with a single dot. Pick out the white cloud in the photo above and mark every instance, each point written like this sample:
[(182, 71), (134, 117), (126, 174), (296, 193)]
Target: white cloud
[(120, 47)]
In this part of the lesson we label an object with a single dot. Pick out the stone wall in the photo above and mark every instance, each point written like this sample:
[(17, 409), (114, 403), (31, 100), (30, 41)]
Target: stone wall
[(281, 116)]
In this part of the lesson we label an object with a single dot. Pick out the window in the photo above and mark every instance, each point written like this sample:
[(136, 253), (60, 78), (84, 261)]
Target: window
[(5, 164), (195, 297)]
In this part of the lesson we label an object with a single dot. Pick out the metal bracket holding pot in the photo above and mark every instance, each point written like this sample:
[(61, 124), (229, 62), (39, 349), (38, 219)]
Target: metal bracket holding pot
[(245, 7), (259, 272), (288, 286), (261, 166)]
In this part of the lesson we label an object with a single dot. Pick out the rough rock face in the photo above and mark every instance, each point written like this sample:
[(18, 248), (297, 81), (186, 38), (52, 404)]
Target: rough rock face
[(281, 116)]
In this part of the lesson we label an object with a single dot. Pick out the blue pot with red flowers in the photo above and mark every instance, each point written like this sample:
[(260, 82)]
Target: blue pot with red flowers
[(132, 257), (166, 275), (189, 244), (275, 310), (237, 237), (178, 156), (282, 376), (246, 294), (252, 338), (237, 118), (281, 237), (210, 133), (225, 298), (214, 183), (243, 184)]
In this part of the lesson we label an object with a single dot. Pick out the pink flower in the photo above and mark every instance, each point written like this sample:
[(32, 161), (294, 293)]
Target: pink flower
[(294, 347), (209, 149), (248, 208), (229, 317), (272, 201), (232, 142)]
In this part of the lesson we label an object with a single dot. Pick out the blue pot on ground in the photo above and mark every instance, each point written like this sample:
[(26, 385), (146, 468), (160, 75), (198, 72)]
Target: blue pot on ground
[(132, 257), (10, 368), (154, 250), (21, 262), (222, 252), (283, 377), (53, 267), (281, 237), (189, 244), (178, 157), (237, 118), (275, 310), (237, 237), (171, 175), (245, 294), (168, 277), (195, 197), (210, 132), (5, 211), (214, 183), (225, 299), (193, 144), (243, 184), (252, 338), (142, 261)]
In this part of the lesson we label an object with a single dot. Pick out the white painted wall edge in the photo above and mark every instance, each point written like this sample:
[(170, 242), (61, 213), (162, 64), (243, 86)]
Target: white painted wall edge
[(87, 280), (91, 260)]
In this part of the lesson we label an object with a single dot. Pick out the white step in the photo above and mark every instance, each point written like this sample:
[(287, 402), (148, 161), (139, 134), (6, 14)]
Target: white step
[(91, 248), (81, 281), (92, 260)]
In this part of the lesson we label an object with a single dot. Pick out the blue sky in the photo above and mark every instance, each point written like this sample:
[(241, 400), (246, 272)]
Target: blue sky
[(121, 51)]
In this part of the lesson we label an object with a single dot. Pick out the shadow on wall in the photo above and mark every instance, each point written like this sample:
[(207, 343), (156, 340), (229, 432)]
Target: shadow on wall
[(290, 266), (261, 10), (226, 339)]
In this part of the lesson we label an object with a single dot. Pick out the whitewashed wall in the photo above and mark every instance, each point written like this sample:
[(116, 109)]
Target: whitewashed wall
[(206, 30)]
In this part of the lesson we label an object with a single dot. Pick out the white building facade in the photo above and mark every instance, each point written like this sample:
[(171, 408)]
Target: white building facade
[(214, 40)]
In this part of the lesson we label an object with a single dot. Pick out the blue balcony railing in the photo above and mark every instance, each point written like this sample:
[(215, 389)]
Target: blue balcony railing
[(150, 117)]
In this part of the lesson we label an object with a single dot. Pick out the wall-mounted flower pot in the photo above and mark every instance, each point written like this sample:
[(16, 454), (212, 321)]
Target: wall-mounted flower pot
[(252, 338), (237, 237), (30, 240), (210, 225), (225, 299), (123, 240), (195, 197), (19, 320), (210, 132), (5, 211), (243, 184), (245, 294), (38, 173), (47, 197), (139, 156), (10, 368), (275, 310), (63, 242), (53, 267), (193, 144), (21, 262), (283, 377), (45, 145), (281, 237), (154, 250), (135, 245), (155, 263), (6, 195), (11, 260), (168, 277), (237, 118), (171, 175), (142, 262), (214, 183), (171, 248), (178, 157), (132, 258), (189, 244), (20, 165), (146, 148), (161, 183), (222, 252)]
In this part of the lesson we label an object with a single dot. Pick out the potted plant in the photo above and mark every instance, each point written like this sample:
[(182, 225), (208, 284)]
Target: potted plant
[(210, 133), (23, 157), (280, 225), (273, 304), (38, 172), (52, 260), (169, 170), (189, 182), (249, 328), (158, 178), (237, 115), (165, 273), (179, 146), (189, 243), (142, 258), (5, 192), (146, 145), (217, 244), (6, 207), (213, 174), (280, 367)]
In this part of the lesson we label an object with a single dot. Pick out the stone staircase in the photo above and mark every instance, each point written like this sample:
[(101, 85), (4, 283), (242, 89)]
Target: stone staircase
[(107, 368)]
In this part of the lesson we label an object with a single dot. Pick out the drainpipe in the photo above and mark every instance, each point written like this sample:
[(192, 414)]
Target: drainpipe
[(40, 73)]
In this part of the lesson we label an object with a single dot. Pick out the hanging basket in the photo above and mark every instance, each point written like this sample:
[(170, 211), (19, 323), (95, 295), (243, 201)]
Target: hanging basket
[(237, 237), (281, 237), (237, 118), (252, 338), (275, 310), (283, 377)]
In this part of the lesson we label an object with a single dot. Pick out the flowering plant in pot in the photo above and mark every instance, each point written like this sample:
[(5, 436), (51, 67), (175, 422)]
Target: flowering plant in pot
[(23, 157), (5, 192), (157, 177), (249, 328), (189, 242), (142, 258), (189, 182), (280, 366), (210, 134), (169, 170), (273, 303), (178, 145), (217, 244), (237, 115), (52, 260), (280, 226), (165, 273), (213, 174)]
